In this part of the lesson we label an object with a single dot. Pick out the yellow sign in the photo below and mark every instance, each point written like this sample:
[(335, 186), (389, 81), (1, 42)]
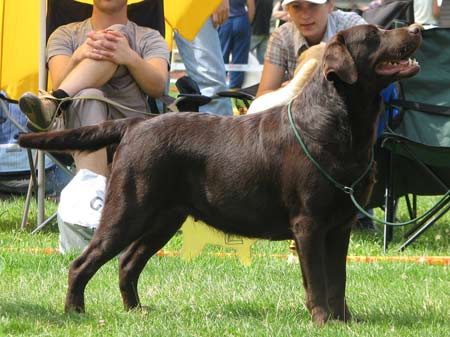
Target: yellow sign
[(196, 235)]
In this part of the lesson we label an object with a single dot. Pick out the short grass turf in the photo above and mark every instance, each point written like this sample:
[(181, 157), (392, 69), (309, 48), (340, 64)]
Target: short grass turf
[(214, 296)]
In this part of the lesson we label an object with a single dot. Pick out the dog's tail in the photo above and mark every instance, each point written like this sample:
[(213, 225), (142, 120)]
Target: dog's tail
[(87, 138)]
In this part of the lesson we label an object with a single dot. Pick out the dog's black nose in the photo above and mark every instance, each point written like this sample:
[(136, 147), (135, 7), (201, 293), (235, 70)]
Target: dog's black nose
[(415, 28)]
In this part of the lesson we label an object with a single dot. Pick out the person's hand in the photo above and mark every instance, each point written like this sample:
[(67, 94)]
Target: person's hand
[(220, 15), (285, 83), (84, 52), (109, 45)]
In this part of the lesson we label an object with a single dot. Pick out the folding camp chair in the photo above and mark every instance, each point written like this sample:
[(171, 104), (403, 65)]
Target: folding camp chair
[(246, 95), (17, 163), (415, 151)]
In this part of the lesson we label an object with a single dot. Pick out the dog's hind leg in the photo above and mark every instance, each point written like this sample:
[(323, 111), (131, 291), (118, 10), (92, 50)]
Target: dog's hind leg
[(310, 241), (101, 249), (118, 228), (133, 260), (336, 246)]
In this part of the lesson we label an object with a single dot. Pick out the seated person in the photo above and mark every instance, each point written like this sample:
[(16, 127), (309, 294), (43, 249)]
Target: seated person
[(312, 22), (106, 55)]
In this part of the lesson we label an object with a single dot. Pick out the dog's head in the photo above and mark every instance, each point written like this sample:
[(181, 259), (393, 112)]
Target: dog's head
[(369, 53)]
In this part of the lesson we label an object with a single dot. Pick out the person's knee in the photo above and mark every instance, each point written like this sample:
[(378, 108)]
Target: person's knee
[(90, 92), (122, 29)]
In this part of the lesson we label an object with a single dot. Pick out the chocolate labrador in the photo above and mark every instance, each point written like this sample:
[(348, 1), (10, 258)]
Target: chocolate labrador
[(248, 175)]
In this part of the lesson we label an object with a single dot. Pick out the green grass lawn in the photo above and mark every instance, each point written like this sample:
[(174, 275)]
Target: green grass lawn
[(214, 296)]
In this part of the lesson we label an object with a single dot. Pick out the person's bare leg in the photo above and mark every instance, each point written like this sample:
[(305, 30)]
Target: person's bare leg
[(88, 74), (96, 162)]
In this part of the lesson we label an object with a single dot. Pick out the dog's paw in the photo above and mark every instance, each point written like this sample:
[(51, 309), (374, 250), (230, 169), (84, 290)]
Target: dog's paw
[(343, 316), (68, 309), (340, 311), (320, 316)]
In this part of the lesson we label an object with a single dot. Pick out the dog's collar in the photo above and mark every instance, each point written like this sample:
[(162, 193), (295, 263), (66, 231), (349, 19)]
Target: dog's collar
[(342, 187)]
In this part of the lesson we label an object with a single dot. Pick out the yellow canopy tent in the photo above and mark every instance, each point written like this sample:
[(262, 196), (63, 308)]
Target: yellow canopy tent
[(19, 46), (22, 42), (187, 16)]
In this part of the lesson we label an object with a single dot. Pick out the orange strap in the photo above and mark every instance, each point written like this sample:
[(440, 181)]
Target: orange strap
[(436, 260)]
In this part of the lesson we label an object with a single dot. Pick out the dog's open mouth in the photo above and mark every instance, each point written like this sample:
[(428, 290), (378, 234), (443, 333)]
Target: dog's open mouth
[(402, 68)]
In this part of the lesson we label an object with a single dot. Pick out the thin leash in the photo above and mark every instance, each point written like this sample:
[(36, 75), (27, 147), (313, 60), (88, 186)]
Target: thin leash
[(350, 190), (61, 101)]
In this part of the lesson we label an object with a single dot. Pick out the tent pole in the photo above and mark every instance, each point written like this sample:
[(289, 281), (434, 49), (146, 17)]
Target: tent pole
[(42, 85)]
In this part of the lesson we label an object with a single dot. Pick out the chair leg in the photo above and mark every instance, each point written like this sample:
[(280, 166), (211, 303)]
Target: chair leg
[(41, 198), (39, 193), (45, 223), (390, 201), (26, 209), (389, 216), (41, 188), (412, 207), (31, 185), (426, 225)]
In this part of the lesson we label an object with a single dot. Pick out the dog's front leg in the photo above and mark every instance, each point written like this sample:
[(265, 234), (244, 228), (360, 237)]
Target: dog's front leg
[(309, 237), (336, 246)]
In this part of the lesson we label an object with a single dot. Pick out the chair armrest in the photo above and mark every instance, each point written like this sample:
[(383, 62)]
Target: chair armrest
[(236, 94), (428, 108)]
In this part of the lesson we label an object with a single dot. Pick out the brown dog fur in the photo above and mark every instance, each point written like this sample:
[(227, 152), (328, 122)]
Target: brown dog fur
[(247, 175)]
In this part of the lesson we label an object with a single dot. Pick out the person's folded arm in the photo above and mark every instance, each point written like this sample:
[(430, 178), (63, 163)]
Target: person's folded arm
[(62, 64), (151, 75), (59, 66)]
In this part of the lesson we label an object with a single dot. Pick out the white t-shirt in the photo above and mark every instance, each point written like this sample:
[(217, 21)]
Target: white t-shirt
[(423, 12)]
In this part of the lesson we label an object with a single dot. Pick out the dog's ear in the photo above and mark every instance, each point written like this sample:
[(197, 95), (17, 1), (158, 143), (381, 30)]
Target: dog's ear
[(337, 61)]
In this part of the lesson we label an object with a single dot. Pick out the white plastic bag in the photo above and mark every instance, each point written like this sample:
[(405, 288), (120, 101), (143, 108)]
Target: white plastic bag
[(80, 209)]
